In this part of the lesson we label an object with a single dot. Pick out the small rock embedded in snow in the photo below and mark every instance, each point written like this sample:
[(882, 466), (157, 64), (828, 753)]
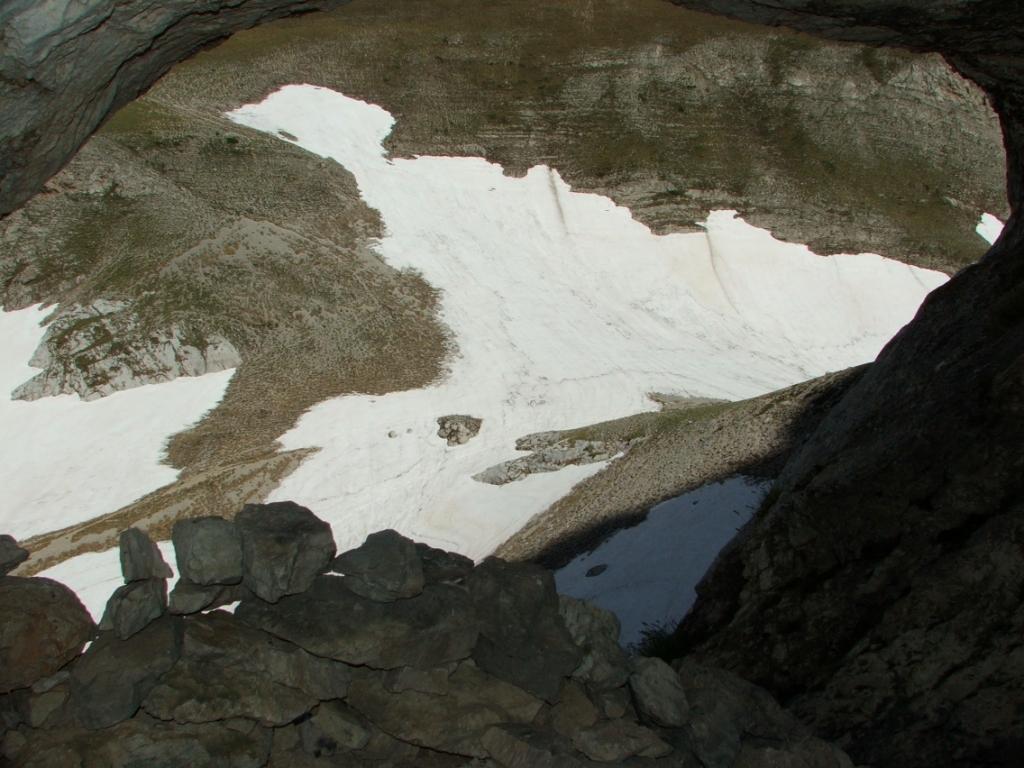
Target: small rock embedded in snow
[(458, 429)]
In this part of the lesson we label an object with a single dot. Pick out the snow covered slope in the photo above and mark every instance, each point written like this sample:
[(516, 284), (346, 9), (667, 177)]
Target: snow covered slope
[(64, 460), (648, 574), (565, 312)]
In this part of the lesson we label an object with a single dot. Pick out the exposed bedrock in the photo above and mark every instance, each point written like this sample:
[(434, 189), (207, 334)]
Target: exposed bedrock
[(463, 666)]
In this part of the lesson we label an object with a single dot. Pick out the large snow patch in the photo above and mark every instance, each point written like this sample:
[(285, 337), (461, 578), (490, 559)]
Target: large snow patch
[(64, 460), (566, 311)]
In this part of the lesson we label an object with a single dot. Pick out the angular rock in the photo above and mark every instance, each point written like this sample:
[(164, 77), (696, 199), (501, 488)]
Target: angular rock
[(133, 606), (187, 597), (141, 558), (523, 746), (426, 631), (11, 555), (573, 712), (112, 678), (284, 548), (333, 728), (440, 566), (517, 607), (385, 567), (44, 626), (208, 550), (454, 722), (422, 680), (228, 669), (595, 631), (658, 694), (613, 740), (146, 742)]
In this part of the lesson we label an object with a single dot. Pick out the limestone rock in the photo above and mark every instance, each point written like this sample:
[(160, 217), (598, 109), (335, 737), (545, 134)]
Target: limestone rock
[(208, 550), (441, 566), (110, 681), (518, 611), (658, 694), (228, 670), (333, 728), (141, 558), (151, 743), (385, 567), (11, 555), (574, 711), (284, 548), (186, 597), (596, 633), (455, 722), (133, 606), (426, 631), (613, 740), (44, 626), (458, 429)]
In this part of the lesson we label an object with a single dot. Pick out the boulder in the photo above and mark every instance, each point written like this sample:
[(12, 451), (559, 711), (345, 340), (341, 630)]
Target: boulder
[(153, 744), (109, 682), (573, 712), (452, 722), (333, 728), (524, 746), (517, 607), (44, 627), (187, 597), (141, 558), (441, 566), (133, 606), (208, 550), (458, 429), (284, 548), (658, 694), (11, 555), (385, 567), (228, 669), (435, 627), (611, 741), (595, 631)]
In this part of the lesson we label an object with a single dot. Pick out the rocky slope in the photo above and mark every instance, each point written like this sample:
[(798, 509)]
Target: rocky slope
[(391, 654)]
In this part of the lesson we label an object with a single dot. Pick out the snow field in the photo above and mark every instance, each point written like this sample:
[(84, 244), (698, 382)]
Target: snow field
[(566, 311)]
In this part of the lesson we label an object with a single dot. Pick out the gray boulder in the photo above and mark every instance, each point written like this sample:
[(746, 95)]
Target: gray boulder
[(333, 728), (458, 429), (453, 722), (441, 566), (385, 567), (112, 678), (435, 627), (574, 711), (525, 746), (611, 741), (284, 548), (133, 606), (141, 558), (517, 607), (658, 694), (595, 631), (187, 597), (44, 626), (11, 555), (208, 550), (228, 670)]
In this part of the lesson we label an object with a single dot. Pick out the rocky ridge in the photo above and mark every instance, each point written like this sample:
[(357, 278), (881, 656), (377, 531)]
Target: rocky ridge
[(391, 654)]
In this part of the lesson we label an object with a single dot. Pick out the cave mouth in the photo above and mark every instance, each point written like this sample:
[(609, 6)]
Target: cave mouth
[(169, 169)]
